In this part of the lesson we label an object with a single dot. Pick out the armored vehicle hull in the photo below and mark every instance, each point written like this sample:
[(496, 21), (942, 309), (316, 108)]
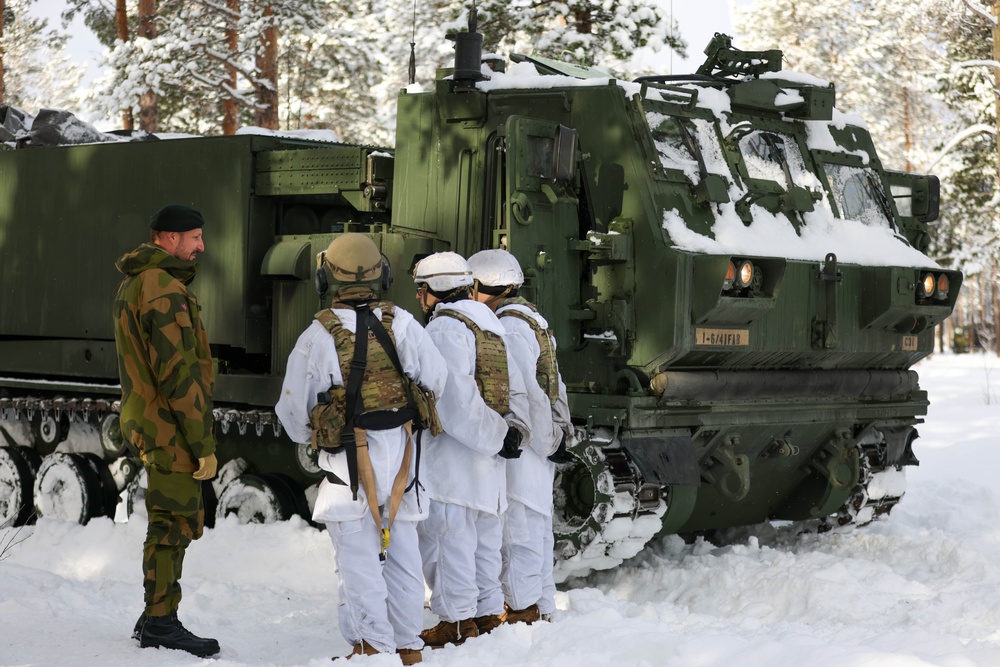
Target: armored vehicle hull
[(736, 284)]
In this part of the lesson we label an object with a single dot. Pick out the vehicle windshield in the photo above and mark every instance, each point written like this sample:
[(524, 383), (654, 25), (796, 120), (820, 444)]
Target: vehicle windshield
[(689, 145), (858, 194), (775, 156)]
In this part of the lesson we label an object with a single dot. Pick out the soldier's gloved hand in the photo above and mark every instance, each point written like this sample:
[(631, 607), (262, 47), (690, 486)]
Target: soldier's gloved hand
[(207, 467), (511, 444), (562, 455)]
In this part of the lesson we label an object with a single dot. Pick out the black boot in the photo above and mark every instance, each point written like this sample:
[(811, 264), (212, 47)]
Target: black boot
[(167, 632), (137, 630)]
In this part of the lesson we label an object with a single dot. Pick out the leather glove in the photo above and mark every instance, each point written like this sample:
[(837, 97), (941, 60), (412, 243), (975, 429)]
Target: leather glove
[(511, 444), (562, 455), (207, 467)]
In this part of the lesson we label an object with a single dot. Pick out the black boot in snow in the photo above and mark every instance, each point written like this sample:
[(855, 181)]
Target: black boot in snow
[(167, 632), (137, 630)]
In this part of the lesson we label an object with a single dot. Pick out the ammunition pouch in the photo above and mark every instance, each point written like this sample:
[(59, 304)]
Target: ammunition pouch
[(426, 404), (327, 419)]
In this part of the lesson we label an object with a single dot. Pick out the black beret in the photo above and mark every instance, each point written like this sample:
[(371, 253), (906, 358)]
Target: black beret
[(176, 218)]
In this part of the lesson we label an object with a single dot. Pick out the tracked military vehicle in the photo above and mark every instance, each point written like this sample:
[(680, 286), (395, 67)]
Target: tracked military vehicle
[(737, 285)]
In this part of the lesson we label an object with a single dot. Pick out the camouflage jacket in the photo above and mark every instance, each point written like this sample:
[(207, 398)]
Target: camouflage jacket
[(164, 361)]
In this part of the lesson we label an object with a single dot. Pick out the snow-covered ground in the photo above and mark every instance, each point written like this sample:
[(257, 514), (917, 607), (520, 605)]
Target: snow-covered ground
[(918, 589)]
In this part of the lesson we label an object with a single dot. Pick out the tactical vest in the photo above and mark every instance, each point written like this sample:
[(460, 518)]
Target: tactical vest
[(546, 367), (491, 363), (382, 385)]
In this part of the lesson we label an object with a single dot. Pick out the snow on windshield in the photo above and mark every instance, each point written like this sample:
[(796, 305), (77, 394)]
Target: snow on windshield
[(858, 194), (678, 141)]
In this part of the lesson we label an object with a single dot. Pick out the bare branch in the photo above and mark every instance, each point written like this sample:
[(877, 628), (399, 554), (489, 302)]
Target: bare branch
[(5, 548)]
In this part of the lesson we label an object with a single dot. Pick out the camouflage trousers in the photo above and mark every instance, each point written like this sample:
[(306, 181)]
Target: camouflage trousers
[(176, 518)]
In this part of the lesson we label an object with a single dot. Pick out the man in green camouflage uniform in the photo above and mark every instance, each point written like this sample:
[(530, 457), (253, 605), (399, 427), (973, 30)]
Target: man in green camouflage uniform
[(165, 366)]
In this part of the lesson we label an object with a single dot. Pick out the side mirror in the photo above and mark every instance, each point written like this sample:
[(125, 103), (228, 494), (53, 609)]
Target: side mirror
[(916, 195), (926, 198)]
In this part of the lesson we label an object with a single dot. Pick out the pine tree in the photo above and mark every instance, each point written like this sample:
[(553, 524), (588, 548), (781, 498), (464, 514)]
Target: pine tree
[(302, 64), (969, 233), (34, 74)]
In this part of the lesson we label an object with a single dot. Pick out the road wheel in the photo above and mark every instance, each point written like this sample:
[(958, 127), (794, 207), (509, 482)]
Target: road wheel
[(112, 442), (48, 430), (17, 479), (74, 487), (257, 499)]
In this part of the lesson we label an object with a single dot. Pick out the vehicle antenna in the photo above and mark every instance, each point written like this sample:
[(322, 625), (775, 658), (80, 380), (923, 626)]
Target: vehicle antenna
[(413, 43)]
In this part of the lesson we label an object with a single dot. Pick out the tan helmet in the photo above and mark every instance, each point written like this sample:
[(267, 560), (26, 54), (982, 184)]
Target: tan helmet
[(350, 258)]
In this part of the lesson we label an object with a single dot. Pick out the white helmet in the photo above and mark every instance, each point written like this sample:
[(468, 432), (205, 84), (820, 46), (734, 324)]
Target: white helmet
[(496, 268), (443, 272)]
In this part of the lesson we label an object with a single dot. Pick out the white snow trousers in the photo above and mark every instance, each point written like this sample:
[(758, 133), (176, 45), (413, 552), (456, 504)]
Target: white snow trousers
[(381, 603), (461, 552), (547, 604), (526, 575)]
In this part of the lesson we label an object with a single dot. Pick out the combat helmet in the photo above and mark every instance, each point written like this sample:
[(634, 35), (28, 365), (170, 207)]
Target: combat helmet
[(443, 273), (496, 272), (352, 260)]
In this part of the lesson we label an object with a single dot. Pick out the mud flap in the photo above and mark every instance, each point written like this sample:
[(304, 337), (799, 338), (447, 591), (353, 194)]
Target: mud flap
[(667, 460)]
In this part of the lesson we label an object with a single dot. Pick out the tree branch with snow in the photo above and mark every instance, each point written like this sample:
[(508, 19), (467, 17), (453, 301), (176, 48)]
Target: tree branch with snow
[(962, 136)]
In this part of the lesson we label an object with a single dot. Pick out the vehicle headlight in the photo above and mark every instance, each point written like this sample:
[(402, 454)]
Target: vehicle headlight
[(928, 283), (745, 274), (943, 284)]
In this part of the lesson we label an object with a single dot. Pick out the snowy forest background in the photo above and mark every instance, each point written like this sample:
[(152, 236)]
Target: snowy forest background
[(924, 74)]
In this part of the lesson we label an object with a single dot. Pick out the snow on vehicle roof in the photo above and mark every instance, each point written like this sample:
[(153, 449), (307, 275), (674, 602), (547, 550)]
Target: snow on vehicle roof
[(867, 243)]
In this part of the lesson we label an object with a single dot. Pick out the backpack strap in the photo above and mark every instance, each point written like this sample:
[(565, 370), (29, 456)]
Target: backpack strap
[(354, 439), (383, 338), (348, 437)]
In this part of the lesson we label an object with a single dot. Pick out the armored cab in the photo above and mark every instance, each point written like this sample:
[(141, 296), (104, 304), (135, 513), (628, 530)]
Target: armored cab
[(738, 288)]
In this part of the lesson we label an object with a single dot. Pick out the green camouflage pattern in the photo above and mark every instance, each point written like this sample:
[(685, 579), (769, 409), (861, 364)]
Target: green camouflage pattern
[(164, 361), (491, 363), (546, 366), (176, 514)]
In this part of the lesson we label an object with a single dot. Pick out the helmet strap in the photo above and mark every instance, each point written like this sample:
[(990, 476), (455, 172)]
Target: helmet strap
[(494, 299), (457, 294)]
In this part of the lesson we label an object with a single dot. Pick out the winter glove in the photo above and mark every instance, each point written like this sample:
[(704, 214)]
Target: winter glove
[(562, 455), (206, 467), (511, 444)]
